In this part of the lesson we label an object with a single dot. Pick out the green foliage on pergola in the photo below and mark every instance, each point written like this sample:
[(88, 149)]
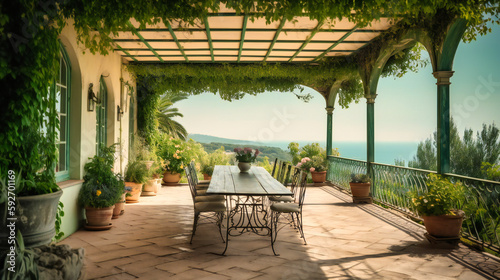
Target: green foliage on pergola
[(29, 50)]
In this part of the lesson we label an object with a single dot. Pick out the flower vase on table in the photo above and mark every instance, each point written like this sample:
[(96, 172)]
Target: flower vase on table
[(245, 157), (244, 166)]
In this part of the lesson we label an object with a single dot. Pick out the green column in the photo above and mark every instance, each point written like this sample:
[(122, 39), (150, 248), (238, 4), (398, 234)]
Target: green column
[(443, 120), (370, 139), (329, 133)]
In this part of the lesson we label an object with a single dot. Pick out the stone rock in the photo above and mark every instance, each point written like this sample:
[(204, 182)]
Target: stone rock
[(59, 262)]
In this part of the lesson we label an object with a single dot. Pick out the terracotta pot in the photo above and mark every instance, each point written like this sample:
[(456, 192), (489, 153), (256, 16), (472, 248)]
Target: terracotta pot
[(244, 166), (149, 188), (360, 189), (444, 226), (135, 192), (99, 216), (36, 216), (318, 177), (206, 177), (119, 207), (171, 178)]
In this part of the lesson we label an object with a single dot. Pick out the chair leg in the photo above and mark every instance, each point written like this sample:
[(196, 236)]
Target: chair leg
[(274, 229), (301, 229), (195, 223)]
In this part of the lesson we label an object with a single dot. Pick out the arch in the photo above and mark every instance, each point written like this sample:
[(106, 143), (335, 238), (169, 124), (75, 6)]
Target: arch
[(111, 108), (76, 161)]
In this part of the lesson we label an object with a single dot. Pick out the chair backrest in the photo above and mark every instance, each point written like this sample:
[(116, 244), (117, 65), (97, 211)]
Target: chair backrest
[(194, 175), (276, 167), (282, 172), (288, 173), (294, 180), (301, 189), (192, 186)]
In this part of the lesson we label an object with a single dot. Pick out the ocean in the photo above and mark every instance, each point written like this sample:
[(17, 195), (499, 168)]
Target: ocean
[(385, 152)]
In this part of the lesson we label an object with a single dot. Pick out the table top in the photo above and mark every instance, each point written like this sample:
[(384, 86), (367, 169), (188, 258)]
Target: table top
[(228, 180)]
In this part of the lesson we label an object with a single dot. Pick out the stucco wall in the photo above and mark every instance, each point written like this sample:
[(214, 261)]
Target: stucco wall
[(87, 68)]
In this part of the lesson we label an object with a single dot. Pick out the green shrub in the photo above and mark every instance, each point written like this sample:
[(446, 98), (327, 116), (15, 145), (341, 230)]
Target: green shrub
[(137, 172)]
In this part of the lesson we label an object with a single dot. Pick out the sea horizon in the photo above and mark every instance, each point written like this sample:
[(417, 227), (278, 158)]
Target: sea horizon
[(385, 151)]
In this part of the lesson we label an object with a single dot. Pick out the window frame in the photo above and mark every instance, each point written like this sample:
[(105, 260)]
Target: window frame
[(64, 175)]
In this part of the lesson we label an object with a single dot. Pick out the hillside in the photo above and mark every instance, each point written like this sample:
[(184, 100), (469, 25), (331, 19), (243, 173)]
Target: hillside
[(270, 152), (201, 138)]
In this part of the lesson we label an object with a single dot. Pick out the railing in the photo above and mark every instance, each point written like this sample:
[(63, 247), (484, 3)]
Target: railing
[(340, 170), (392, 185)]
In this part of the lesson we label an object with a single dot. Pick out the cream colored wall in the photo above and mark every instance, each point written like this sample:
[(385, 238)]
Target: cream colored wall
[(88, 68)]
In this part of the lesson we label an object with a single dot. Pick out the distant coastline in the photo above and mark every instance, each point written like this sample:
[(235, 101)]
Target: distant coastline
[(385, 152)]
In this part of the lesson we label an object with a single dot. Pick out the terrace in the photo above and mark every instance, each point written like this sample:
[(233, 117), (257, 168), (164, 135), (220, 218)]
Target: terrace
[(279, 49), (345, 241)]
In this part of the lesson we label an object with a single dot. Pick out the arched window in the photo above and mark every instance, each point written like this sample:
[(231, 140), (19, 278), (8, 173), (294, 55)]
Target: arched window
[(101, 113), (62, 94)]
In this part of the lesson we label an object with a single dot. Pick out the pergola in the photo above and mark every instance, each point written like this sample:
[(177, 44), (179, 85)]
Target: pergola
[(232, 38)]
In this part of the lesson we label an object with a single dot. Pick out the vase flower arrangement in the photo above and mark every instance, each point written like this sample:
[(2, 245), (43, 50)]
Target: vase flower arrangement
[(246, 154)]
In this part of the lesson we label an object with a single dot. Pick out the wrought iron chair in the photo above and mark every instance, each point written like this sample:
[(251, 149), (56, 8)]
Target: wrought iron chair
[(293, 209), (294, 172), (202, 186), (204, 204)]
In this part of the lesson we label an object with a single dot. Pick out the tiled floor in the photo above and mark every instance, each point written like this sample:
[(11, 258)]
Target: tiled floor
[(345, 241)]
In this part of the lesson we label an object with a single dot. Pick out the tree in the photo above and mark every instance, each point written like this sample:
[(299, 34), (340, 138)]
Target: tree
[(467, 155), (165, 114)]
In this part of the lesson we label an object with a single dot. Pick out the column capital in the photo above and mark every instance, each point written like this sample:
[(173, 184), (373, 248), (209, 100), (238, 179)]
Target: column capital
[(443, 77), (370, 99), (329, 110)]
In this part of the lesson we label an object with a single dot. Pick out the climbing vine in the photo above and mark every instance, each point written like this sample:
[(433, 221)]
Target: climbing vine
[(29, 53)]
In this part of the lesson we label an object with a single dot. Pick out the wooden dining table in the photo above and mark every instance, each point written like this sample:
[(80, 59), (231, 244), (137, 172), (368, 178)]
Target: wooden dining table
[(246, 194)]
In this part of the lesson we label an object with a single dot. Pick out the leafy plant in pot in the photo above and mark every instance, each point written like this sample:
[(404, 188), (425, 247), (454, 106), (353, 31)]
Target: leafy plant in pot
[(439, 206), (173, 155), (136, 174), (360, 185), (101, 190), (317, 165), (31, 185)]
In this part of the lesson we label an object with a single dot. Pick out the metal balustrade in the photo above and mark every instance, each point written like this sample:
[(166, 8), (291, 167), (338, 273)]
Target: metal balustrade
[(392, 186)]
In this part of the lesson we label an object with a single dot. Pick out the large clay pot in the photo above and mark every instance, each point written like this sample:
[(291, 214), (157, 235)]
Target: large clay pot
[(35, 219), (318, 177), (360, 189), (244, 166), (149, 188), (99, 217), (207, 177), (171, 178), (135, 193), (444, 226), (119, 207)]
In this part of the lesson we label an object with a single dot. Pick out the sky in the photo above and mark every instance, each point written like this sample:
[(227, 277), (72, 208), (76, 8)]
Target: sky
[(405, 108)]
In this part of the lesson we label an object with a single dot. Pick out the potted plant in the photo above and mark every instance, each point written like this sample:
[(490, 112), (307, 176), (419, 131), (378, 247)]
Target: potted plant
[(245, 157), (150, 186), (207, 171), (438, 206), (101, 190), (136, 174), (173, 155), (360, 185), (143, 152), (317, 165), (120, 205), (34, 188)]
